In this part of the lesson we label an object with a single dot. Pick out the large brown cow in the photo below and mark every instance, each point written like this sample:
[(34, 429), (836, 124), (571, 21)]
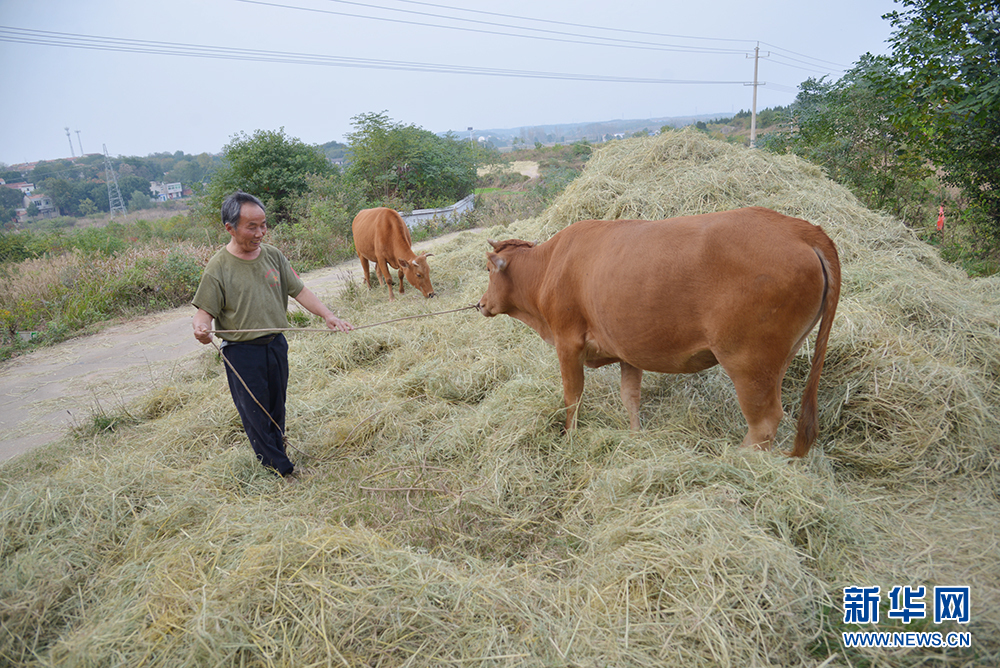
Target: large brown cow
[(738, 288), (381, 236)]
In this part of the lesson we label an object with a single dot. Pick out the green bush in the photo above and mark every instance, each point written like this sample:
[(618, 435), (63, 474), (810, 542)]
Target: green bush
[(179, 276)]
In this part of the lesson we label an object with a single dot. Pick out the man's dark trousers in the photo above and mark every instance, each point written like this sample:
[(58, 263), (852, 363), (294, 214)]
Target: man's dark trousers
[(263, 366)]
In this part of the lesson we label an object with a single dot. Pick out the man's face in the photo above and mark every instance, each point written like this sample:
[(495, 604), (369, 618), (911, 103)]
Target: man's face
[(249, 234)]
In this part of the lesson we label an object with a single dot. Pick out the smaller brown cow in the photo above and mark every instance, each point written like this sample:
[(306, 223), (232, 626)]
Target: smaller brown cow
[(381, 236), (741, 289)]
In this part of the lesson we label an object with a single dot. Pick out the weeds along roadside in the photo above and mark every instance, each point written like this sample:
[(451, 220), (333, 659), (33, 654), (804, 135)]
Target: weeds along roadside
[(58, 283)]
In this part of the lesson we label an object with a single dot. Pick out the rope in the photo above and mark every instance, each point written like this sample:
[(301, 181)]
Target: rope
[(243, 382), (303, 329), (330, 331)]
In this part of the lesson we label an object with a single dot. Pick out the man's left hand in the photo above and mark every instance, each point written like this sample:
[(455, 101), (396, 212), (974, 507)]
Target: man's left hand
[(338, 325)]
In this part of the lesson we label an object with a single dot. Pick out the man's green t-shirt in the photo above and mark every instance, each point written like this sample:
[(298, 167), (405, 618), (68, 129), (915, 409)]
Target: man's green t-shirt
[(248, 294)]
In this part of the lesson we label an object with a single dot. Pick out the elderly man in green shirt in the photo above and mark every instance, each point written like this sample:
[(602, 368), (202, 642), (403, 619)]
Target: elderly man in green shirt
[(246, 286)]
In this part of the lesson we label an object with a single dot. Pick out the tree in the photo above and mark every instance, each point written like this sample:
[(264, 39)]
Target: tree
[(947, 52), (87, 207), (139, 200), (130, 184), (52, 169), (191, 171), (10, 201), (269, 165), (846, 127), (62, 193), (149, 168), (407, 166)]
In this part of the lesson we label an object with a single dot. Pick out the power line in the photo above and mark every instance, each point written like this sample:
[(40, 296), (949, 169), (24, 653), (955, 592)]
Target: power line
[(609, 41), (781, 88), (102, 43), (800, 55), (549, 35), (566, 23)]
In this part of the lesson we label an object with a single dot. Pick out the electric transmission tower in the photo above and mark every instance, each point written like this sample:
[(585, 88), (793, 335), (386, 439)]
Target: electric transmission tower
[(114, 194)]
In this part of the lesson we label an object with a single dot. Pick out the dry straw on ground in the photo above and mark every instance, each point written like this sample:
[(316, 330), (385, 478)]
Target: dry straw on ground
[(449, 522)]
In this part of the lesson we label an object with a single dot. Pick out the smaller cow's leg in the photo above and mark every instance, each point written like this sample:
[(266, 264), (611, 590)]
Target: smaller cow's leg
[(364, 267), (382, 269), (631, 389), (400, 280), (571, 367)]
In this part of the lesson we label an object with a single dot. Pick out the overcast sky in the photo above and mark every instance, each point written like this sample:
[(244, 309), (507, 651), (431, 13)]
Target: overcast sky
[(144, 77)]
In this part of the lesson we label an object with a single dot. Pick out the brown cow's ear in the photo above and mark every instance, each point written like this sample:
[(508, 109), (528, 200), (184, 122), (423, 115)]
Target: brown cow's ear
[(492, 243), (497, 261), (403, 263)]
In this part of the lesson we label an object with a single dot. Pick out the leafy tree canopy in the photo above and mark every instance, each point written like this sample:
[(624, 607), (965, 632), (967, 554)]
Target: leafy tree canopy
[(10, 198), (409, 167), (947, 54), (268, 164), (846, 127)]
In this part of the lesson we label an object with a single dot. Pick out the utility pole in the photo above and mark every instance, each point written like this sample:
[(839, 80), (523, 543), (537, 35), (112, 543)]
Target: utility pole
[(70, 139), (753, 111), (79, 142), (114, 193)]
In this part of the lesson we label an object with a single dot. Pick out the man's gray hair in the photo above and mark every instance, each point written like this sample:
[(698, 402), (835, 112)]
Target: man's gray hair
[(232, 205)]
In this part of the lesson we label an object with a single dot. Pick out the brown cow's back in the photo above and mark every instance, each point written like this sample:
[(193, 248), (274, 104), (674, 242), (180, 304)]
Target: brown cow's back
[(647, 275), (381, 229)]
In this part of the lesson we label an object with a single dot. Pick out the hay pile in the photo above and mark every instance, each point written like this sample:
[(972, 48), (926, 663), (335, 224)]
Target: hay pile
[(911, 378), (450, 523)]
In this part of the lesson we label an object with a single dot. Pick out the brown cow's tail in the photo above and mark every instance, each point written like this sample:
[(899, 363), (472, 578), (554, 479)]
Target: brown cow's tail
[(807, 428)]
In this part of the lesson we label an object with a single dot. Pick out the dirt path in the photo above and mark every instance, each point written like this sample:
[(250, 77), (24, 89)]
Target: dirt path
[(44, 393), (527, 167)]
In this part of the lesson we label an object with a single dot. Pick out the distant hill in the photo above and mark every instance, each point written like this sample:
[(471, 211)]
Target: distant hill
[(334, 151), (593, 131)]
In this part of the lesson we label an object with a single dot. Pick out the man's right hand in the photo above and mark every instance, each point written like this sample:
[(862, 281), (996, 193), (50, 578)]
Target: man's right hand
[(203, 334), (202, 323)]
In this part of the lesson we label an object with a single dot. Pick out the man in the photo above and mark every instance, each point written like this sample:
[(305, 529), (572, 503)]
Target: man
[(246, 286)]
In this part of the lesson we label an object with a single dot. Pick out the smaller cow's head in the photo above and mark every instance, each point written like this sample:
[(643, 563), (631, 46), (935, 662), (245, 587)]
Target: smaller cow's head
[(500, 292), (418, 273)]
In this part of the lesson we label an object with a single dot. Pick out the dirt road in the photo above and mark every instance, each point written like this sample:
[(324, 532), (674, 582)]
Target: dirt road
[(46, 392)]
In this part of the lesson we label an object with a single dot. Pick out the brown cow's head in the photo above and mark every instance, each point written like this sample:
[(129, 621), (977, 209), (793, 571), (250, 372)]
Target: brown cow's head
[(418, 273), (499, 293)]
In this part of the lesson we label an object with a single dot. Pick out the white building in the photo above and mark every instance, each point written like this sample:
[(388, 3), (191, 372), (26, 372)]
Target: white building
[(164, 191)]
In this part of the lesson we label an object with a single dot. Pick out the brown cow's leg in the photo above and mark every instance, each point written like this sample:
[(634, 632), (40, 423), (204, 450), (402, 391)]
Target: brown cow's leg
[(382, 269), (631, 388), (760, 401), (571, 367), (364, 267), (400, 280)]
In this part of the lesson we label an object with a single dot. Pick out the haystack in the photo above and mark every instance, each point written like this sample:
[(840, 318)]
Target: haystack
[(911, 380), (450, 522)]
